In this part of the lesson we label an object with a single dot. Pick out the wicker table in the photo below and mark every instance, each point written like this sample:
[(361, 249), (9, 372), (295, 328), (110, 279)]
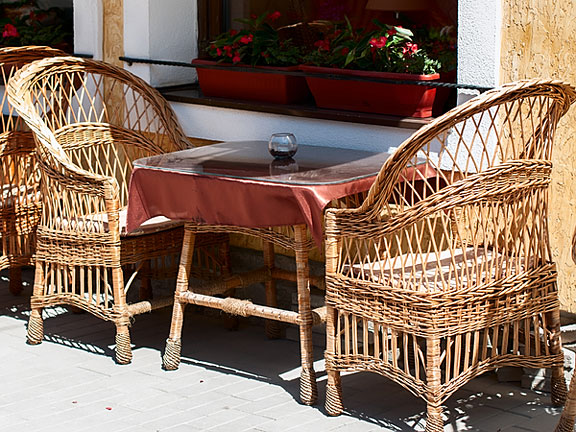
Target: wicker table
[(238, 188)]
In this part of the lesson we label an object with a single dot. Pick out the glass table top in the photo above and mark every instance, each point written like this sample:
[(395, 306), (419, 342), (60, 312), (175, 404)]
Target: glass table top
[(250, 160)]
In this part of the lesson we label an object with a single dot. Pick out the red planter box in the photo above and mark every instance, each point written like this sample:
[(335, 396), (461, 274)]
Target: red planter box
[(367, 96), (263, 87)]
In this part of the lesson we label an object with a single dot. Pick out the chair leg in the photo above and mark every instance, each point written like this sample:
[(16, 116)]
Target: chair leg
[(568, 418), (334, 406), (272, 327), (171, 358), (558, 381), (35, 332), (308, 387), (434, 422), (123, 347), (16, 280)]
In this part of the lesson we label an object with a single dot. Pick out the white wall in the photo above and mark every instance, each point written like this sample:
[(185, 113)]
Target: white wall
[(88, 30), (233, 125), (163, 30), (479, 40)]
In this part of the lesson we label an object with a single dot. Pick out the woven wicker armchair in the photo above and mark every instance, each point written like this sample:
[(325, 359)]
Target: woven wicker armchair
[(438, 278), (91, 120), (19, 200)]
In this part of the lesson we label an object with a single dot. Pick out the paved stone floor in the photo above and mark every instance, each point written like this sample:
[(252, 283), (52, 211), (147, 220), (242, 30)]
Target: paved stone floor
[(228, 381)]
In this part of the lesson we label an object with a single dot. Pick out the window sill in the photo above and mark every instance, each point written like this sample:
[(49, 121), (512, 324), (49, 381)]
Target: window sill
[(192, 95)]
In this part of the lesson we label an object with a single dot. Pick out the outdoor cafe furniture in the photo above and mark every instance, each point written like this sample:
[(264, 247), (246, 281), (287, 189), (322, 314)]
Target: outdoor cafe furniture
[(237, 187), (19, 197), (432, 283), (91, 120)]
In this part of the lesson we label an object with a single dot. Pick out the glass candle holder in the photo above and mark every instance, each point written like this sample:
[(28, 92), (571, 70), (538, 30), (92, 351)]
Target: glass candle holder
[(282, 145)]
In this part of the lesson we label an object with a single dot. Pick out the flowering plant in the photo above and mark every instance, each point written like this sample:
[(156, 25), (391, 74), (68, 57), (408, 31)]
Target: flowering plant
[(386, 49), (258, 44), (24, 23), (440, 44)]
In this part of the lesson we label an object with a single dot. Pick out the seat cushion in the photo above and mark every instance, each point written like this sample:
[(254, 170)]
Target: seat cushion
[(98, 222), (434, 271)]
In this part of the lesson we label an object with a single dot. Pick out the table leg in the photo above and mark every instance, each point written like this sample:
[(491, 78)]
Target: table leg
[(308, 388), (272, 327), (171, 358)]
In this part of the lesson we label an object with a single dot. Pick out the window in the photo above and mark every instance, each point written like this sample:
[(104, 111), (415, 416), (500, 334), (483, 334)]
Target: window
[(216, 16)]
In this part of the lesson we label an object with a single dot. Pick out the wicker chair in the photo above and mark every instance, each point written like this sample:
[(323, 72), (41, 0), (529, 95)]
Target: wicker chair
[(91, 120), (437, 279), (19, 200)]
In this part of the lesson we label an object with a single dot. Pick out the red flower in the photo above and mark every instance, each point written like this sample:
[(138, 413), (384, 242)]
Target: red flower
[(236, 58), (378, 43), (264, 54), (392, 32), (233, 32), (345, 51), (10, 31), (253, 16), (322, 45), (409, 49), (218, 51), (274, 16), (246, 39), (228, 50)]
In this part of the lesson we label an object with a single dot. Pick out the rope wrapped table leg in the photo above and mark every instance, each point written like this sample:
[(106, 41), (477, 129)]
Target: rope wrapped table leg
[(171, 358), (35, 327), (123, 348)]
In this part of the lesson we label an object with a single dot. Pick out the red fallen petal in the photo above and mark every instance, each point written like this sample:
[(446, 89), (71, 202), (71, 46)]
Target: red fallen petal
[(109, 408)]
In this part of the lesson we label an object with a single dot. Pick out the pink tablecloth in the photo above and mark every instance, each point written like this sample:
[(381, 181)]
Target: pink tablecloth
[(229, 201)]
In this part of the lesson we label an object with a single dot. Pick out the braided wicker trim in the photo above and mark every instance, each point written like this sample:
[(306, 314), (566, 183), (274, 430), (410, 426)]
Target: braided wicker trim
[(120, 316), (419, 388)]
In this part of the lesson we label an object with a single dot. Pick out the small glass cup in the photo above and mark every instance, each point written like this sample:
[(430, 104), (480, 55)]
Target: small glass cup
[(282, 145)]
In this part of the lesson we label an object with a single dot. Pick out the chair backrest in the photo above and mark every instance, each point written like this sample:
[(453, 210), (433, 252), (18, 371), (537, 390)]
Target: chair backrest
[(475, 179), (12, 59), (19, 203), (95, 116)]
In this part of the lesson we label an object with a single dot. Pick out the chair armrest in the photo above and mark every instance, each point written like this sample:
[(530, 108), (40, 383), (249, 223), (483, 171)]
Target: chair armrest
[(498, 183)]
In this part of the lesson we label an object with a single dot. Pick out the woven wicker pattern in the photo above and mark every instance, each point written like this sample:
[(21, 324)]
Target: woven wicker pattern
[(91, 120), (19, 197), (433, 281)]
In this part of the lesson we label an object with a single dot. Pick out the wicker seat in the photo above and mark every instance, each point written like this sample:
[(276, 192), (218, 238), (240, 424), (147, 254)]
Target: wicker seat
[(433, 281), (91, 120), (19, 198)]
